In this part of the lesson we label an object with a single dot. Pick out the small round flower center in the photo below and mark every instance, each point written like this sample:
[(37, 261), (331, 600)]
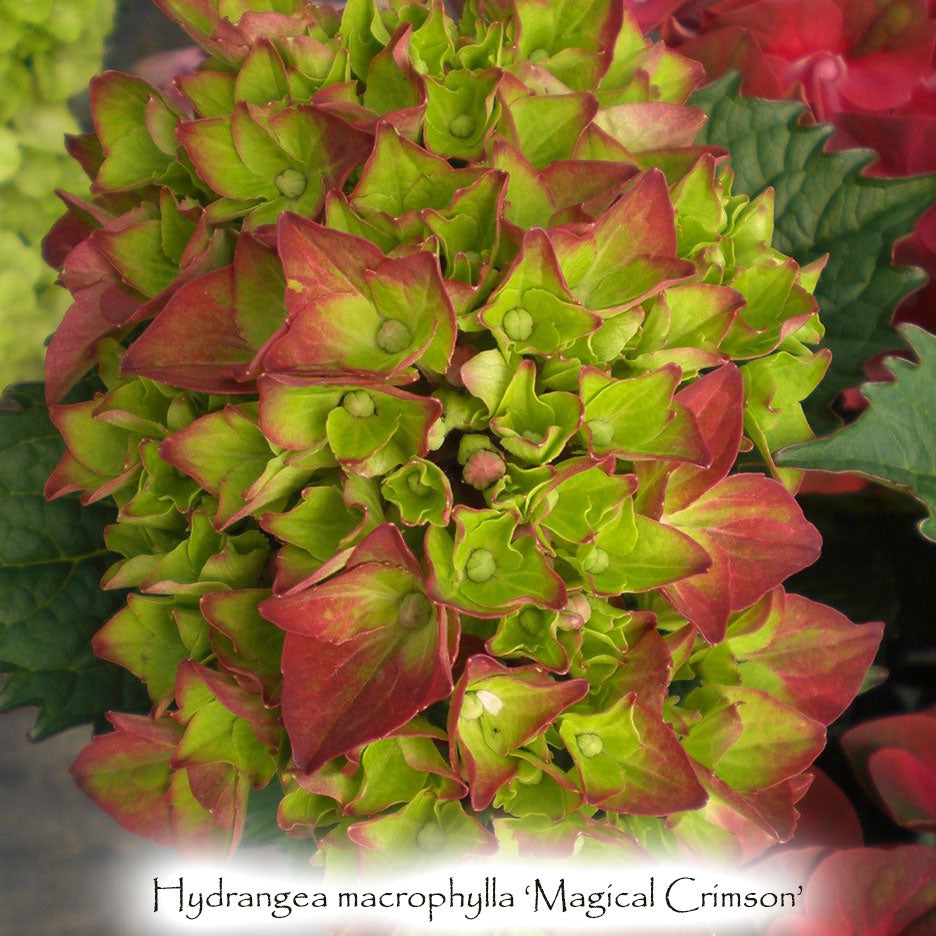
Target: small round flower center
[(579, 606), (518, 324), (415, 611), (393, 336), (291, 183), (430, 837), (480, 566), (596, 561), (483, 468), (359, 403), (462, 126), (602, 432), (589, 744)]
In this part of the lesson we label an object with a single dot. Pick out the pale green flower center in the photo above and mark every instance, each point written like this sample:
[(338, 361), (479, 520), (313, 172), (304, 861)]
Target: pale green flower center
[(589, 744), (471, 707), (518, 324), (531, 619), (430, 837), (415, 611), (359, 403), (596, 561), (291, 183), (393, 336), (462, 126), (480, 566), (602, 432), (415, 483)]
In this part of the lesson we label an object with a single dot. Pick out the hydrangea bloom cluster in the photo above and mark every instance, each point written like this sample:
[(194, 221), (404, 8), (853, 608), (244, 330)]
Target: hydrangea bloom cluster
[(49, 51), (427, 351)]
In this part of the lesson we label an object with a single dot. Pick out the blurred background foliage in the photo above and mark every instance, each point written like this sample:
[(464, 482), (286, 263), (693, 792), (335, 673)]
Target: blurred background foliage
[(49, 49)]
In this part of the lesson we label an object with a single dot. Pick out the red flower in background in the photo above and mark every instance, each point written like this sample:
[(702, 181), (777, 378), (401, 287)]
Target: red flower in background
[(855, 891), (895, 758), (863, 892), (845, 57), (866, 66)]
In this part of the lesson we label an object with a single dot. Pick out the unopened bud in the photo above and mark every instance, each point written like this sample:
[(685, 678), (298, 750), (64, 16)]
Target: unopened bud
[(480, 566), (483, 468), (589, 744), (518, 324), (291, 183), (393, 336), (359, 403), (462, 126)]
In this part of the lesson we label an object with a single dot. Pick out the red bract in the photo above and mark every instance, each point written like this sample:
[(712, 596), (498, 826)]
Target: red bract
[(336, 283), (213, 327), (783, 635), (113, 286), (364, 652), (183, 779), (751, 526), (920, 250), (136, 745), (846, 56), (497, 711)]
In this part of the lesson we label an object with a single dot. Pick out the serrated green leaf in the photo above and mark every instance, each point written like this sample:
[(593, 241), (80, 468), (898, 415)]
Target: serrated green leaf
[(51, 558), (824, 206), (894, 440)]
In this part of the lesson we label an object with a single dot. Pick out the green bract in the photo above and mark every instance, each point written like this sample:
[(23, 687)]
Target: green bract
[(427, 351), (48, 51)]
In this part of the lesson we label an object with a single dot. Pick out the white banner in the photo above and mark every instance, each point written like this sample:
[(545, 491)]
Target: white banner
[(526, 897)]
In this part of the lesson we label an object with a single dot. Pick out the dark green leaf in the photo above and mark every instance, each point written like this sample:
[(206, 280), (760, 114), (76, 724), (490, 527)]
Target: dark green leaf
[(894, 440), (51, 559)]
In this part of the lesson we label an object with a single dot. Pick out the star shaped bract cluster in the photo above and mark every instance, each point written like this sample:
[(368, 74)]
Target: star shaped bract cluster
[(427, 350)]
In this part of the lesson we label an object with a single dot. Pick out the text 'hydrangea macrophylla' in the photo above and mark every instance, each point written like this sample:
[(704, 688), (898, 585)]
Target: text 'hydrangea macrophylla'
[(427, 352)]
